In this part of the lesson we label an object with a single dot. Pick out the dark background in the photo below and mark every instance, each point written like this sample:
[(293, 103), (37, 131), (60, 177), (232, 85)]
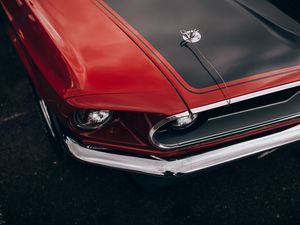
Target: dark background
[(37, 187)]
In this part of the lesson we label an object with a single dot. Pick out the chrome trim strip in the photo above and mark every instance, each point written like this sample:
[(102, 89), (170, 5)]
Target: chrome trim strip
[(46, 116), (189, 164), (210, 107), (246, 97)]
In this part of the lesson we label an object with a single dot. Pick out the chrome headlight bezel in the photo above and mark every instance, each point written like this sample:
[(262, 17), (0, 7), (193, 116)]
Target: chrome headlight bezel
[(91, 119)]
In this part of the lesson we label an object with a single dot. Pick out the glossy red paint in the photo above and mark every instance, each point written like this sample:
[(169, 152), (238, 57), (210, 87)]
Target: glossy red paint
[(82, 53), (87, 58)]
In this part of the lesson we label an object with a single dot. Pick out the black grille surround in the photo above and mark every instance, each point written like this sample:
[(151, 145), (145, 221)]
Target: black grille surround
[(237, 118)]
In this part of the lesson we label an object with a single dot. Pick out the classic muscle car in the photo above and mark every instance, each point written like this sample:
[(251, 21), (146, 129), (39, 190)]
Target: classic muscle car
[(162, 87)]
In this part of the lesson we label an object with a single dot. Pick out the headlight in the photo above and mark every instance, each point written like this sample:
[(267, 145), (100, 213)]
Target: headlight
[(184, 122), (88, 119)]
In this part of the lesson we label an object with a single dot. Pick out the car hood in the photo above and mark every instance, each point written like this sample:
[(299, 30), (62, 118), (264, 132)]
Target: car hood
[(245, 46), (132, 52)]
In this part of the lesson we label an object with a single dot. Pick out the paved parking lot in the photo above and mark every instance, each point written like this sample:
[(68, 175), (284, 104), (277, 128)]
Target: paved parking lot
[(37, 187)]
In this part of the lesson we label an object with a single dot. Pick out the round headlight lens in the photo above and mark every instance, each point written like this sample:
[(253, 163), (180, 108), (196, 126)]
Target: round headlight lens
[(184, 122), (91, 119)]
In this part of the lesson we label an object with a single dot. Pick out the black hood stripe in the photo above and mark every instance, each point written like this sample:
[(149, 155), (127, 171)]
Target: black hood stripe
[(193, 71)]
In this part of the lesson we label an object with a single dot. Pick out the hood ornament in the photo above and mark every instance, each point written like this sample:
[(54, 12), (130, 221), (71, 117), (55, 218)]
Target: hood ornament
[(191, 36)]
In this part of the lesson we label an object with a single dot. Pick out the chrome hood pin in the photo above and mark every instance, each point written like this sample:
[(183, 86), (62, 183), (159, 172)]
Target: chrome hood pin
[(194, 36), (191, 36)]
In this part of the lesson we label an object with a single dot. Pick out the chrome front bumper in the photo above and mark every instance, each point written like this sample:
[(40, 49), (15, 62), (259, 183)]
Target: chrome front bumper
[(185, 165)]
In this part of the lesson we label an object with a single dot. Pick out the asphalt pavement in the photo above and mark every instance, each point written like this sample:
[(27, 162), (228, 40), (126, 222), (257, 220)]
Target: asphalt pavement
[(38, 187)]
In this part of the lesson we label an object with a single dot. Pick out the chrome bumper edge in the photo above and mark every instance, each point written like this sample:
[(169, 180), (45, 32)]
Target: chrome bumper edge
[(189, 164)]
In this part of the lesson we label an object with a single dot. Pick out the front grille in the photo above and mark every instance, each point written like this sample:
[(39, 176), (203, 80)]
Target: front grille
[(236, 118)]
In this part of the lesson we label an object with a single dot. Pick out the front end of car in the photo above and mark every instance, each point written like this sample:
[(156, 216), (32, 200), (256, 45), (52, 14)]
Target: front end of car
[(187, 142), (163, 100)]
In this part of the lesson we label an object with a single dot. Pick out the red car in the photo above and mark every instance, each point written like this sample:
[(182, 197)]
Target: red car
[(162, 87)]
